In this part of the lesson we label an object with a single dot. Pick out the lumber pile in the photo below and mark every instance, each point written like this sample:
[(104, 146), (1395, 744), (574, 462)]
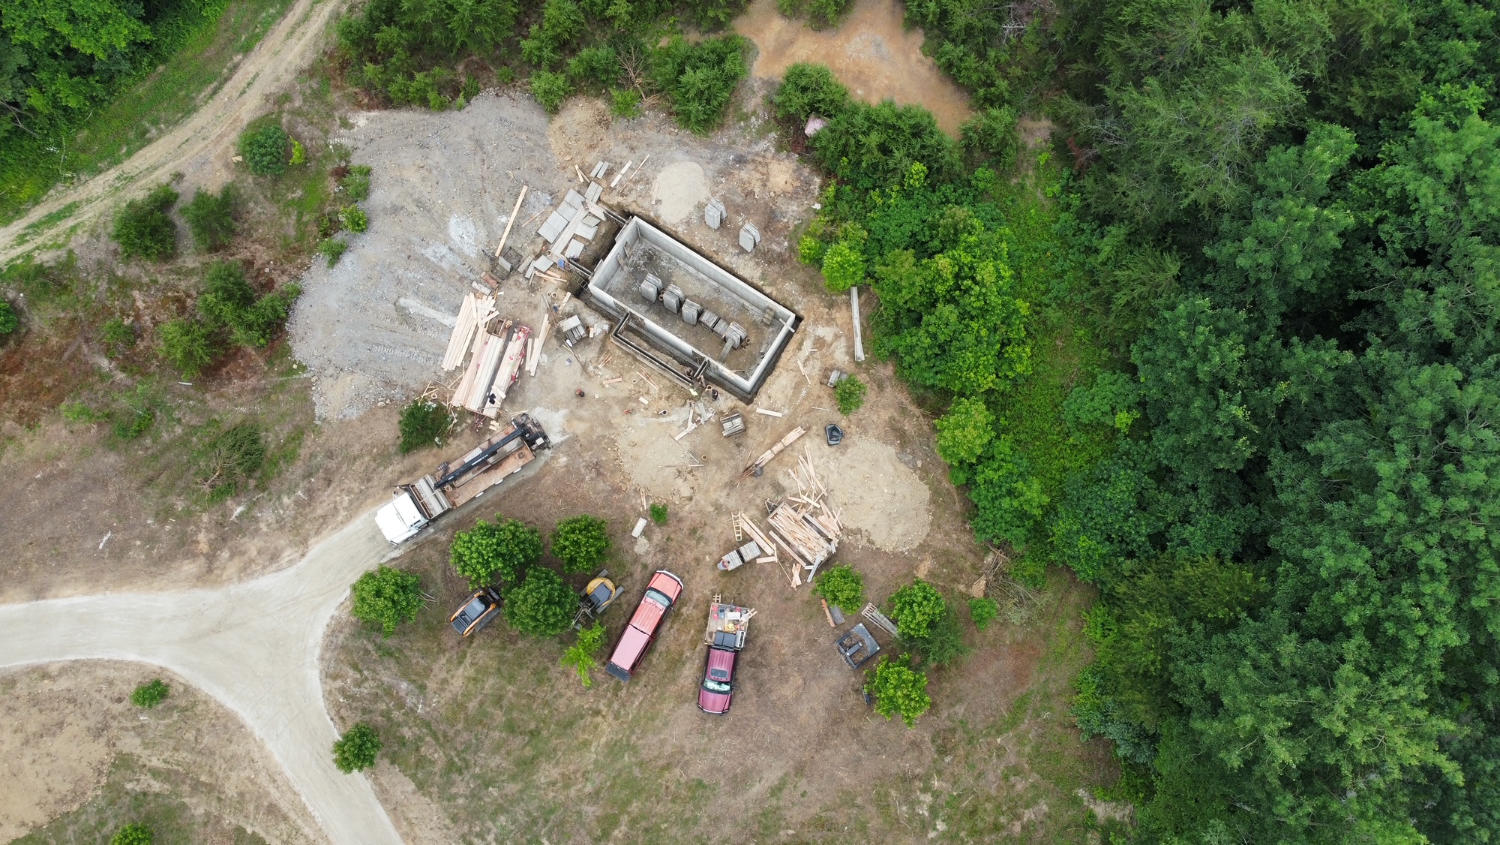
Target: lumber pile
[(494, 362), (473, 314), (804, 525), (766, 456)]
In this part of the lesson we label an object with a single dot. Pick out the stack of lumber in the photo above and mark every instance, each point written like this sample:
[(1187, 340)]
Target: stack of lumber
[(473, 313), (804, 525), (533, 352), (772, 452), (491, 359), (508, 371)]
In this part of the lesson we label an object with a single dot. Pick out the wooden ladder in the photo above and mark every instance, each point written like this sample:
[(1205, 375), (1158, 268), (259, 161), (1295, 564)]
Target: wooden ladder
[(739, 533), (872, 613)]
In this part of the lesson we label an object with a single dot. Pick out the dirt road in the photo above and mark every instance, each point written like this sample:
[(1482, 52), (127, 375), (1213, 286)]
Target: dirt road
[(254, 646), (199, 145)]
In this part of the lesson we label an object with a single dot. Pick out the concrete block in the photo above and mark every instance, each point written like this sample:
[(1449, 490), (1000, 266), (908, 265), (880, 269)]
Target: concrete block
[(713, 214), (749, 237), (593, 191), (553, 227)]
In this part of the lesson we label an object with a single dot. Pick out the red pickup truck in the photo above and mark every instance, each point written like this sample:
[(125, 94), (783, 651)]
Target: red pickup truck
[(661, 593)]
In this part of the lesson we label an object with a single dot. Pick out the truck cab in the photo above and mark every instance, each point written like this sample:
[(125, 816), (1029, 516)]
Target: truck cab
[(661, 593)]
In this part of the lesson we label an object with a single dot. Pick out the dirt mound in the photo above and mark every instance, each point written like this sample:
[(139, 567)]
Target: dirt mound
[(875, 493), (578, 132)]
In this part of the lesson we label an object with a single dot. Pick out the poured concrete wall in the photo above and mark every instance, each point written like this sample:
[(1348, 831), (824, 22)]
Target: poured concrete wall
[(612, 289)]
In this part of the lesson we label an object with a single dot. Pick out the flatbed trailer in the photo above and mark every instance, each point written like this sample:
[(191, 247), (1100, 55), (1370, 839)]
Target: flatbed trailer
[(461, 480)]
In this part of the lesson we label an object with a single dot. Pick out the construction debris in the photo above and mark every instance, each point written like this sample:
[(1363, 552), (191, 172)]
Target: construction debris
[(770, 413), (734, 424), (473, 313), (803, 524), (736, 558), (872, 613), (511, 222), (766, 456), (749, 237), (618, 176), (494, 364), (640, 526)]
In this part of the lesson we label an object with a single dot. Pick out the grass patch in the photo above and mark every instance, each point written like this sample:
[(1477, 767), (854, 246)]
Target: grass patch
[(135, 791), (159, 100)]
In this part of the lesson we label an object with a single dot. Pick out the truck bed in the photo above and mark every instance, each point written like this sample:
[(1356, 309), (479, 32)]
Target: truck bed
[(476, 483), (728, 624)]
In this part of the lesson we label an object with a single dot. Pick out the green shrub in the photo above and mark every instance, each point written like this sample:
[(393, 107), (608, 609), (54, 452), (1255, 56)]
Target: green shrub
[(133, 834), (659, 513), (625, 102), (386, 597), (842, 587), (809, 89), (117, 336), (9, 319), (850, 395), (699, 79), (150, 694), (550, 89), (190, 346), (230, 460), (78, 412), (982, 612), (581, 543), (332, 249), (261, 322), (210, 218), (356, 183), (143, 229), (898, 690), (580, 655), (543, 605), (594, 68), (507, 549), (810, 250), (299, 153), (226, 294), (264, 149), (423, 423), (356, 749), (354, 218), (843, 267), (916, 609), (990, 137)]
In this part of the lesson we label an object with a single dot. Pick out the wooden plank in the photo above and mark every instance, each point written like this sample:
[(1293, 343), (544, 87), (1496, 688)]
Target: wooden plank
[(511, 222), (859, 344), (618, 176), (770, 413), (463, 329), (826, 614)]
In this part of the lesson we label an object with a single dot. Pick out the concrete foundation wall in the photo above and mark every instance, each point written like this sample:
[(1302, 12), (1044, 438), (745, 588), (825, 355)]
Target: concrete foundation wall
[(612, 290)]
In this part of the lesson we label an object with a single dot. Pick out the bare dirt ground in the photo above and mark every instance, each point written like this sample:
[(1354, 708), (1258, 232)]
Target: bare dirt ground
[(871, 51), (72, 742), (201, 145)]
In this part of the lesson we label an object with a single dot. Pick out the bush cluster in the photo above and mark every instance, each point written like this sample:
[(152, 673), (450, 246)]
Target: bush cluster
[(264, 149), (144, 228), (423, 423)]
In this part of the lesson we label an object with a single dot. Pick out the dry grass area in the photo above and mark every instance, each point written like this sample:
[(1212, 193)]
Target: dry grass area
[(79, 761)]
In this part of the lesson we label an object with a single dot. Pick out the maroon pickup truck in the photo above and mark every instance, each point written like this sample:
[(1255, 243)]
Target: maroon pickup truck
[(661, 593)]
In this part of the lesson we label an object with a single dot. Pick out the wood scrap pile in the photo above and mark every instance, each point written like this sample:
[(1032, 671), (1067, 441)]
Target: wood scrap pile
[(804, 525), (473, 314), (766, 456)]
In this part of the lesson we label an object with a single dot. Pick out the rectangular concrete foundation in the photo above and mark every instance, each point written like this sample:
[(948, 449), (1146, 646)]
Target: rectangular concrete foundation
[(689, 350)]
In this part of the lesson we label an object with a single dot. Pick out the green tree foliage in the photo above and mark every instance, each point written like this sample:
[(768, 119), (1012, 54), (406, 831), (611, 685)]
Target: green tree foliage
[(983, 611), (150, 694), (387, 597), (229, 459), (874, 147), (898, 690), (228, 303), (842, 587), (506, 548), (594, 69), (954, 321), (190, 346), (964, 431), (543, 605), (264, 149), (357, 749), (550, 89), (133, 834), (990, 138), (144, 229), (699, 79), (849, 393), (582, 655), (423, 423), (581, 543), (917, 608), (807, 90), (9, 319), (843, 267), (210, 218)]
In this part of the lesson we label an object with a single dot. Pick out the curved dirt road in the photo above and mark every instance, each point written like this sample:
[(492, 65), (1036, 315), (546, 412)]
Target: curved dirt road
[(193, 145), (254, 646)]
